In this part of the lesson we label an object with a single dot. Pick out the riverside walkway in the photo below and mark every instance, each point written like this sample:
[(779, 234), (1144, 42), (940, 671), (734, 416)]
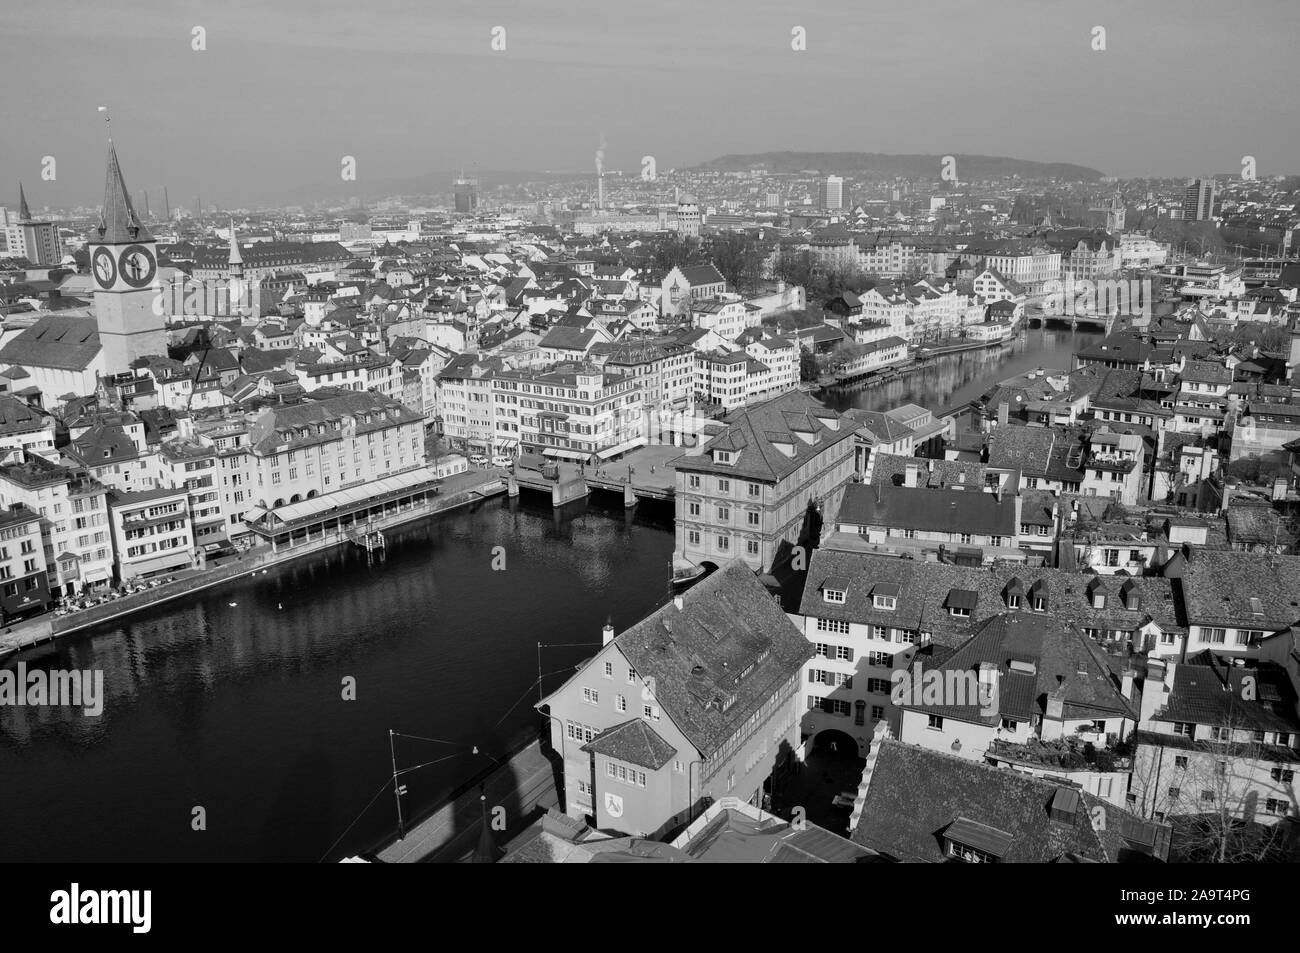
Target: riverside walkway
[(461, 489)]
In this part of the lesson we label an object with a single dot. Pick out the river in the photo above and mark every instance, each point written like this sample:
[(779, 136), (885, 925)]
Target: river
[(953, 379), (232, 701)]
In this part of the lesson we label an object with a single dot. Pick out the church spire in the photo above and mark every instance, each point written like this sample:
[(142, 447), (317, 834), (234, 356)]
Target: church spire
[(235, 257), (24, 213), (118, 223)]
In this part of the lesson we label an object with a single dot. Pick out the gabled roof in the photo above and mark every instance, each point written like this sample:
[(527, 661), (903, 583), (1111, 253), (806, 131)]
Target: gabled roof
[(916, 797), (715, 661), (757, 430)]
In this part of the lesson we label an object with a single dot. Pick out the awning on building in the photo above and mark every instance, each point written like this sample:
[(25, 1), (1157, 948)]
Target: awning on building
[(357, 496), (565, 454), (95, 575), (621, 448)]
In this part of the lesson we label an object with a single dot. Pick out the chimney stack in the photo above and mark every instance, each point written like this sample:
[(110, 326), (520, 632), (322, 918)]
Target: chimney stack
[(679, 602), (607, 634), (911, 475), (1004, 413)]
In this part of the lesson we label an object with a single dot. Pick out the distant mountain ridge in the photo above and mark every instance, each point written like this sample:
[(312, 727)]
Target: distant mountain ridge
[(969, 167)]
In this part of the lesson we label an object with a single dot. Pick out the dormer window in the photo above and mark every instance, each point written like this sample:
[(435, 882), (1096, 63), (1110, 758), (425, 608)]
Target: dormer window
[(727, 457), (1038, 596), (885, 596), (1015, 594), (835, 589), (960, 602)]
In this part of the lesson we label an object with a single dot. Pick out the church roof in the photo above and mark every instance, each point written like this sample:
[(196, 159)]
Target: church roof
[(118, 223)]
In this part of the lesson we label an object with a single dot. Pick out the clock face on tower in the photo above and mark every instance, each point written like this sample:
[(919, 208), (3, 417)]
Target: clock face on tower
[(105, 267), (137, 266)]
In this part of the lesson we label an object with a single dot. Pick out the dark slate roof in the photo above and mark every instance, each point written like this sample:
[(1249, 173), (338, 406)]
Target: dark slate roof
[(915, 796), (635, 742), (1065, 661), (102, 445), (927, 510), (59, 341), (753, 432), (1214, 693), (702, 275), (925, 588), (892, 468), (716, 660), (1218, 588)]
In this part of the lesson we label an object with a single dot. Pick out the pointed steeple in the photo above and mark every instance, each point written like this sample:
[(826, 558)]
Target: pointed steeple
[(24, 213), (118, 223), (235, 257)]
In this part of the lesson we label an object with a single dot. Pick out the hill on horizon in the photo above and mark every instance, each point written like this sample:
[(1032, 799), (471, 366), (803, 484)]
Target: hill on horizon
[(882, 165)]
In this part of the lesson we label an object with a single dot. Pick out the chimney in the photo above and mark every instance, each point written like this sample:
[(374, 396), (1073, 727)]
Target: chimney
[(911, 475), (1055, 705), (1004, 411), (607, 634), (1126, 682), (679, 602)]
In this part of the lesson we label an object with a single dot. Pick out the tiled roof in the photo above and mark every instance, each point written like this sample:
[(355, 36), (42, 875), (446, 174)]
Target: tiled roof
[(1219, 588), (1065, 661), (719, 658), (927, 510), (915, 796), (925, 587), (1215, 694), (635, 742), (58, 341), (754, 432)]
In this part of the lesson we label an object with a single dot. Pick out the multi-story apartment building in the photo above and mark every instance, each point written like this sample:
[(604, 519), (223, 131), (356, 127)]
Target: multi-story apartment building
[(301, 451), (21, 236), (1027, 262), (923, 522), (1112, 465), (152, 532), (24, 583), (1198, 200), (726, 317), (25, 428), (1086, 254), (747, 491), (466, 402), (697, 701), (722, 378), (1234, 600), (870, 616), (1217, 739), (664, 370), (76, 539), (193, 466), (228, 436), (573, 412)]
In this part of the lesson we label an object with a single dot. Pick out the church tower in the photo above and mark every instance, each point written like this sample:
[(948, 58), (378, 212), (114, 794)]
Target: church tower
[(1115, 215), (124, 263)]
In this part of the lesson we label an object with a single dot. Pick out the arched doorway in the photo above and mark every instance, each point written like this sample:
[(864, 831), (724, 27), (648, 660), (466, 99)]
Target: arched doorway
[(834, 743)]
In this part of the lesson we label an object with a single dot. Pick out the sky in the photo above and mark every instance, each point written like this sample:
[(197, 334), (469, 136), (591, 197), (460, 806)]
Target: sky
[(286, 88)]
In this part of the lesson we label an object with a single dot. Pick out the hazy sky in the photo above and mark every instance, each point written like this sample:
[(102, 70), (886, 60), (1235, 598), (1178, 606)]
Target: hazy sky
[(286, 88)]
